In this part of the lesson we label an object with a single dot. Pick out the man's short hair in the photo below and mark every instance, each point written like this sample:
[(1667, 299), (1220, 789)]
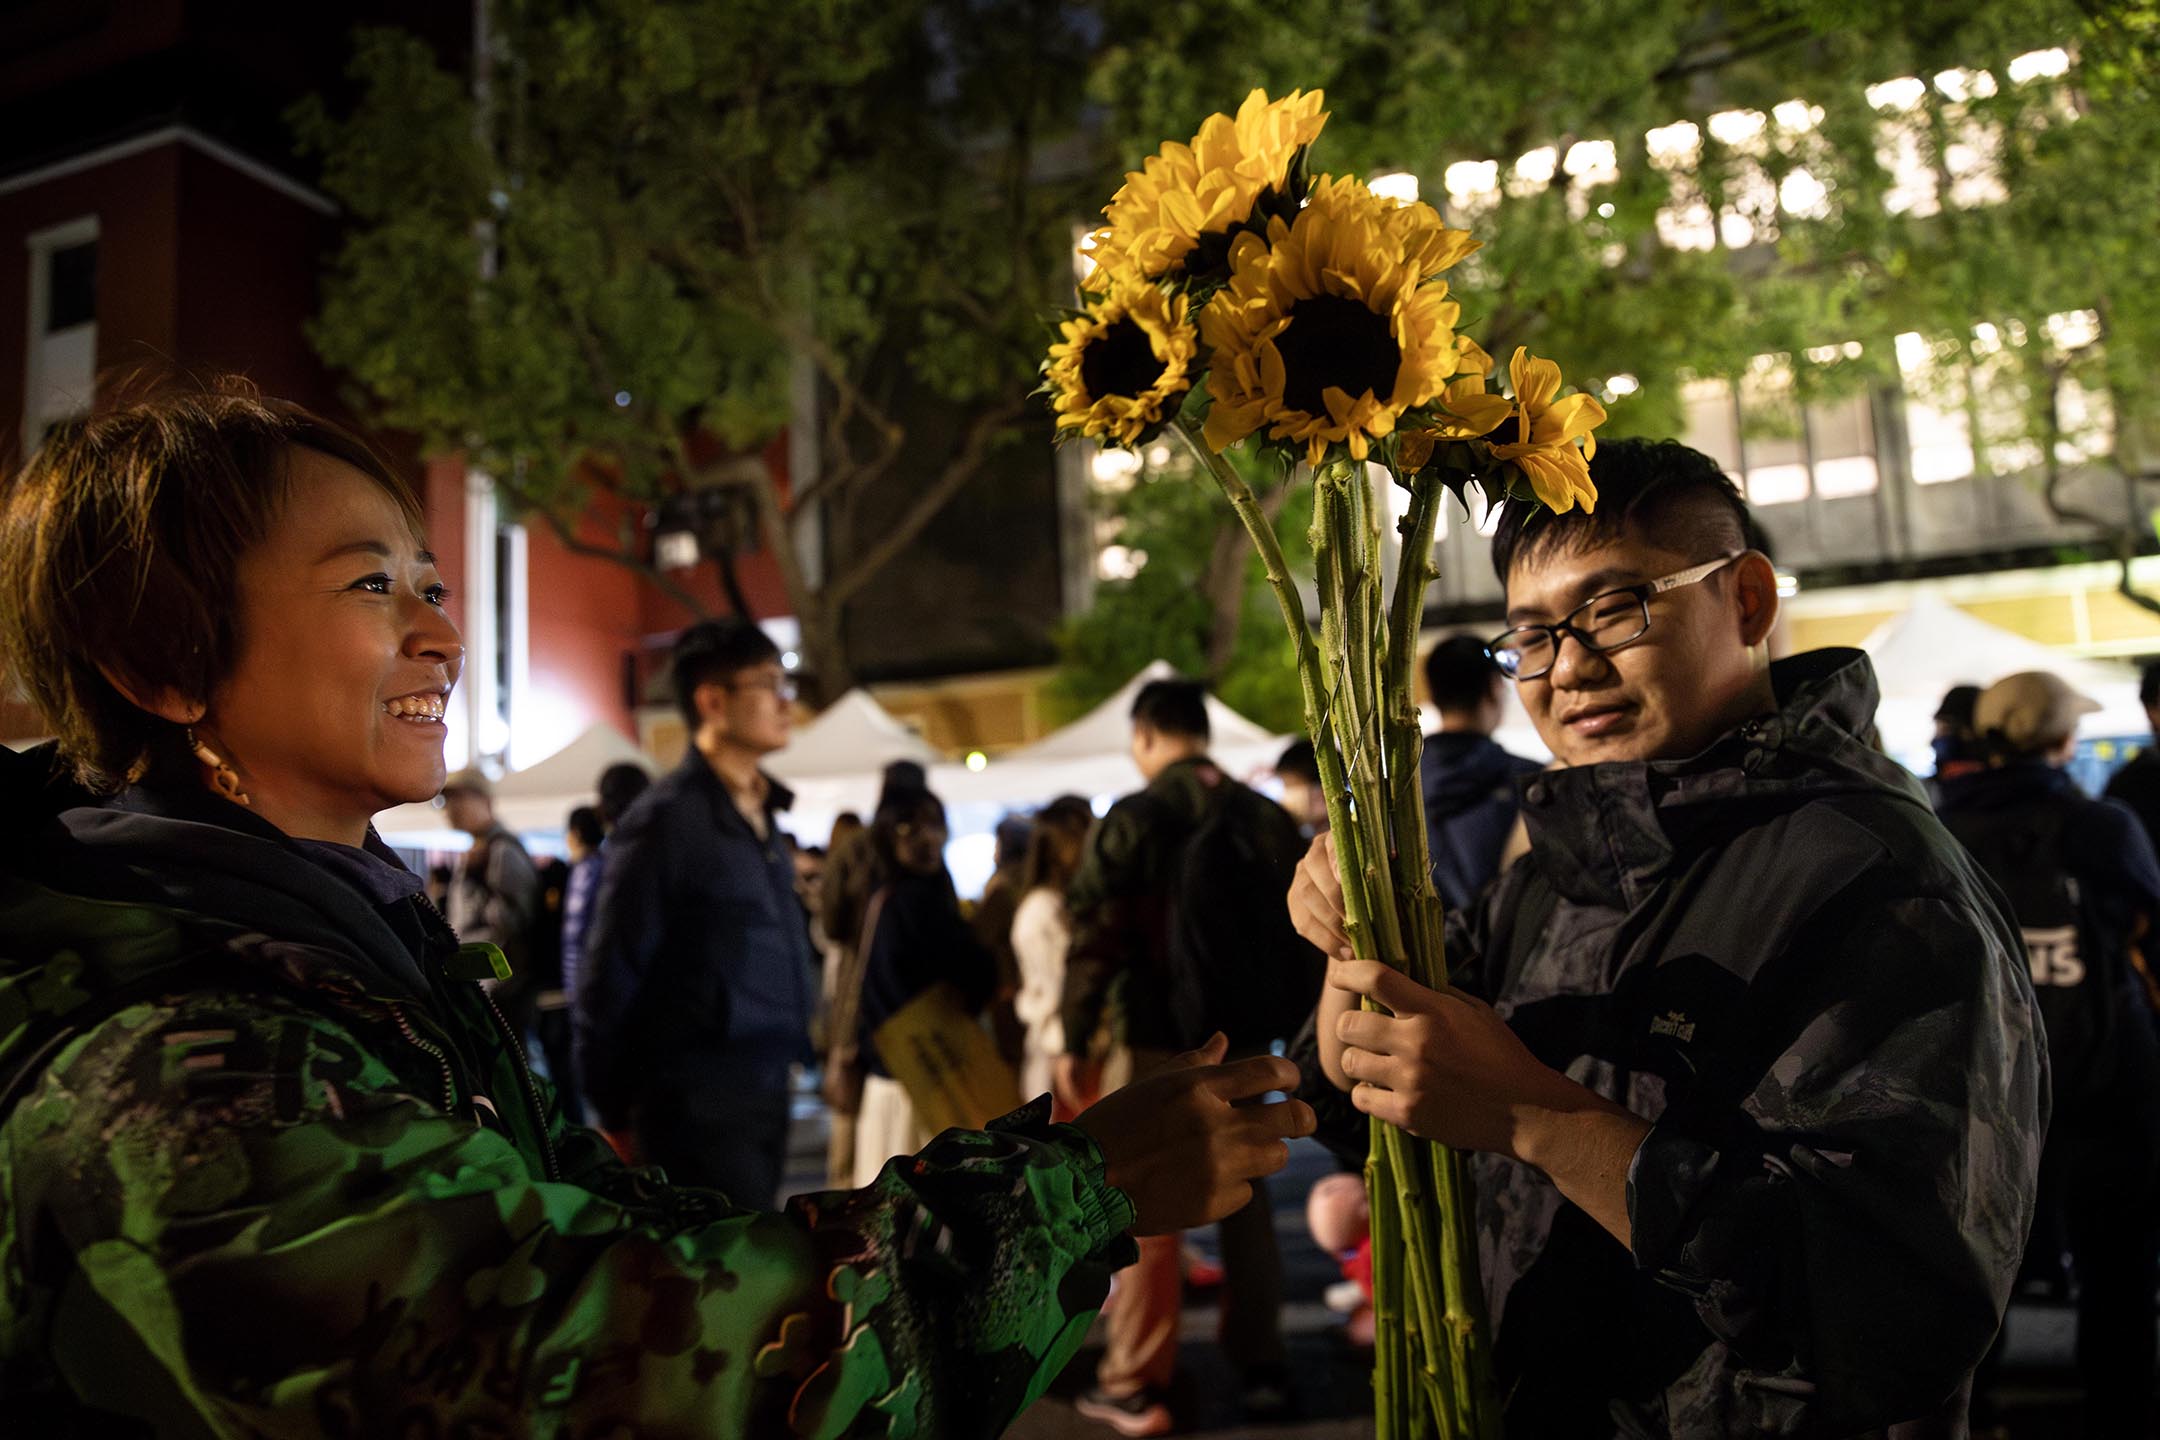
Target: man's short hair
[(715, 650), (1459, 674), (1172, 707), (2149, 685), (585, 824), (1299, 760), (1658, 490), (619, 787)]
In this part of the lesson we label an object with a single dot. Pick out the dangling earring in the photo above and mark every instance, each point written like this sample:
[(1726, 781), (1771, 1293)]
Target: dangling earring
[(223, 778)]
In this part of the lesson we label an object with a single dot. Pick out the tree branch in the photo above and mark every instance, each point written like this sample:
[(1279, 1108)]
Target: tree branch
[(661, 581), (963, 468)]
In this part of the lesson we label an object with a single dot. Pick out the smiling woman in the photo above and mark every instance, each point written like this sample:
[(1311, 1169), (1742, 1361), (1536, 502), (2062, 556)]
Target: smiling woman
[(271, 1162)]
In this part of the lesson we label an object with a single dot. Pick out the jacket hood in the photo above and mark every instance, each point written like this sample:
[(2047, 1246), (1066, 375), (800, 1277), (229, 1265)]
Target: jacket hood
[(1463, 769), (109, 897), (1603, 834)]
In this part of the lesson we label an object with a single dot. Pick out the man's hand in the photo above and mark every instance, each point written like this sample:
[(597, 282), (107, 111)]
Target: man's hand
[(1316, 899), (1445, 1066), (1186, 1143), (1076, 1082)]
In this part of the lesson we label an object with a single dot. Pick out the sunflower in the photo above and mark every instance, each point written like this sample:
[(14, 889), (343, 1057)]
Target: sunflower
[(1207, 188), (1328, 329), (1124, 363), (1547, 429)]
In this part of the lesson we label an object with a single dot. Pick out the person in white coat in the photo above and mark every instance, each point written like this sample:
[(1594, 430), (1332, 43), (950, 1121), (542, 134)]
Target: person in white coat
[(1041, 931)]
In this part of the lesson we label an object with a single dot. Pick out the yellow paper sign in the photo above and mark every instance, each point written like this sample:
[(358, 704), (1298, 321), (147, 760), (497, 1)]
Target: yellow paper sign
[(947, 1062)]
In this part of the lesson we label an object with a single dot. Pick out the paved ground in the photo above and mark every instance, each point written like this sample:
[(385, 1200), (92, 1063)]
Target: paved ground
[(1331, 1380)]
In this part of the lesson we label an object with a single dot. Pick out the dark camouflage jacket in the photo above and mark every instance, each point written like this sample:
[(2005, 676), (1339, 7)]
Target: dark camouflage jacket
[(267, 1169), (1776, 954)]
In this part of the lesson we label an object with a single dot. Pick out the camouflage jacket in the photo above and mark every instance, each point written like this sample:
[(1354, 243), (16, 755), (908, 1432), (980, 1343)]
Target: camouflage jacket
[(1776, 954), (268, 1169)]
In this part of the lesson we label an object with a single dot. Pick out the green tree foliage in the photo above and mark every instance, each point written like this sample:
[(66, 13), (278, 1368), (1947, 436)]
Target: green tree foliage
[(614, 258), (1198, 598), (1581, 271)]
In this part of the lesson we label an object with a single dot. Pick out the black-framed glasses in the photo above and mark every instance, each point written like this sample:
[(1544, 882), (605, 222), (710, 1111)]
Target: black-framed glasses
[(783, 686), (1603, 622)]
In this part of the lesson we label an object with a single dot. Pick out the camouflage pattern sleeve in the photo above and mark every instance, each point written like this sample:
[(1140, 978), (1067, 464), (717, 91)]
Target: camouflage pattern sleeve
[(1845, 1199), (253, 1229)]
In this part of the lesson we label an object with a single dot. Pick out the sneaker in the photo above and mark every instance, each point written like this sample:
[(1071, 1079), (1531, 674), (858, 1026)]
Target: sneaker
[(1141, 1413)]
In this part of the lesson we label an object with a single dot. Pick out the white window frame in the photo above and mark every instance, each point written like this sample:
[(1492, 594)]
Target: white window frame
[(42, 244)]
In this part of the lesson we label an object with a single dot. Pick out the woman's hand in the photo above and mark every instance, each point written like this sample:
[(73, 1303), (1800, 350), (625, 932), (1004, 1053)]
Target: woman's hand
[(1186, 1143)]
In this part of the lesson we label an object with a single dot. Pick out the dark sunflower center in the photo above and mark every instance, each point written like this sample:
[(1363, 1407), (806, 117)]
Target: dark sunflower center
[(1333, 341), (1119, 362)]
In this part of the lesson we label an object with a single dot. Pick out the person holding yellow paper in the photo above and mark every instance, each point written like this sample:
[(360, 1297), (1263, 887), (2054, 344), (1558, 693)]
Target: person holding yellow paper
[(928, 1064)]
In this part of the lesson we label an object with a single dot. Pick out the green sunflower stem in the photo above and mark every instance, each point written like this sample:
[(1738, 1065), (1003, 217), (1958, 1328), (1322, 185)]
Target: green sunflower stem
[(1432, 1370)]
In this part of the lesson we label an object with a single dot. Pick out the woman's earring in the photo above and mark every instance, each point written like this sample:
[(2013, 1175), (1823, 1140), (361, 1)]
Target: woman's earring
[(223, 778)]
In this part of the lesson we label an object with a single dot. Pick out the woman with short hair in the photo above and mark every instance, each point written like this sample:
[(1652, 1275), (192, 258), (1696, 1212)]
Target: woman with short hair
[(271, 1163)]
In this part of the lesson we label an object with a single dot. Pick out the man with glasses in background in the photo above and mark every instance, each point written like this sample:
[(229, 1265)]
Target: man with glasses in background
[(700, 975), (1745, 1045)]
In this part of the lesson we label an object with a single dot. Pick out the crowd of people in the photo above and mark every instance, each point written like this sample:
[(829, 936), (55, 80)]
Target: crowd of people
[(1782, 1070)]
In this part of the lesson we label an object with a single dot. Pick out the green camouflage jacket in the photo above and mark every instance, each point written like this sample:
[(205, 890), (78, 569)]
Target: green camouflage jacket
[(268, 1169)]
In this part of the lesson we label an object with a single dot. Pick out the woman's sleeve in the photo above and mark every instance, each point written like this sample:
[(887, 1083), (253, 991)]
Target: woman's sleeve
[(255, 1232)]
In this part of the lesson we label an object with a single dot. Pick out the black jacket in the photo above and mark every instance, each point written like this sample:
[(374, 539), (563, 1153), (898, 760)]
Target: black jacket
[(2102, 884), (698, 966), (1470, 806), (2137, 785), (1774, 953), (921, 940)]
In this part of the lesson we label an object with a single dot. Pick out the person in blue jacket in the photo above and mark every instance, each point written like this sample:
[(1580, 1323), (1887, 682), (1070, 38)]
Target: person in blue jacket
[(699, 975), (1469, 780)]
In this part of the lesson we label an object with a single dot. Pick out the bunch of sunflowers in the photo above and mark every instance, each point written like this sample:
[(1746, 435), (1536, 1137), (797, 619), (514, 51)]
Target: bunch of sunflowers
[(1318, 314)]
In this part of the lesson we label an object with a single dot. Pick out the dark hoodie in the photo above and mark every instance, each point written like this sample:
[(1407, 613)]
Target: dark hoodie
[(1470, 806), (1775, 954), (270, 1165)]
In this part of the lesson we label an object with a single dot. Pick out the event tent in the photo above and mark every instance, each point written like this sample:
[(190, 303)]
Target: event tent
[(837, 761), (1092, 756), (538, 798), (1921, 654)]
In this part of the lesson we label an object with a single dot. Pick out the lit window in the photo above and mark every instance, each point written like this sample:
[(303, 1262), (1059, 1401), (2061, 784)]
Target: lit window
[(1534, 171), (1802, 196), (1841, 440), (60, 377), (1687, 226), (1900, 94), (1936, 427), (1470, 179), (1776, 448), (1962, 85), (1592, 162), (1797, 116), (2073, 329), (1712, 424), (1901, 147), (1397, 185), (1741, 130), (2039, 64), (1675, 147)]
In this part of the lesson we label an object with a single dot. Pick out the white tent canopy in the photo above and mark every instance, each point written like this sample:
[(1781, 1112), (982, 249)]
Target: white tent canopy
[(1920, 655), (837, 761), (1093, 756), (538, 798)]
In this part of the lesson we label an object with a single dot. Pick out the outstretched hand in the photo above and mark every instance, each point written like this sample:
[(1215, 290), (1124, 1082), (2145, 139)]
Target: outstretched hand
[(1186, 1143)]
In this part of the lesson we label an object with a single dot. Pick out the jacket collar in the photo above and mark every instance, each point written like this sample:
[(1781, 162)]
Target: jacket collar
[(1605, 834), (698, 774), (224, 866)]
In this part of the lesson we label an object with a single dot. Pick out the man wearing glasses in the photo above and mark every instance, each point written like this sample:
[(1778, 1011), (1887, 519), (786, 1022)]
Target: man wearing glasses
[(697, 992), (1758, 1092)]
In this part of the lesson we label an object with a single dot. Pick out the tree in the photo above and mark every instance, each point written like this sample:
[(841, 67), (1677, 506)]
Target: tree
[(1193, 594), (2040, 194), (617, 259)]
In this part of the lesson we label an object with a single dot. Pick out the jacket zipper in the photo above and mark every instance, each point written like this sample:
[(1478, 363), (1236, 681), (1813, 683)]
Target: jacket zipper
[(548, 1166), (449, 1086), (532, 1087)]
